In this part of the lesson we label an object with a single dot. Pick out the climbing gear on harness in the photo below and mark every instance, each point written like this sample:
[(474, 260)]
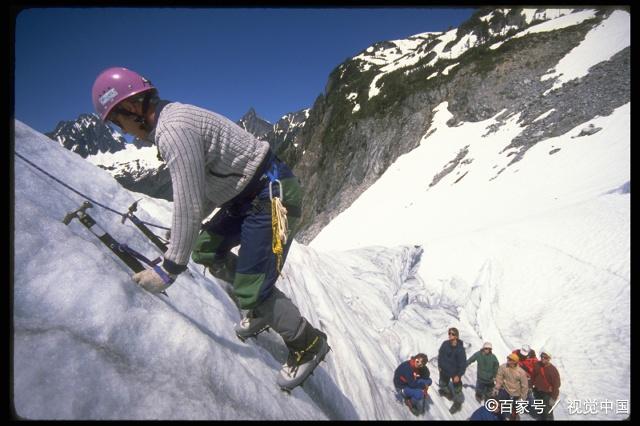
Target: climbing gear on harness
[(279, 224)]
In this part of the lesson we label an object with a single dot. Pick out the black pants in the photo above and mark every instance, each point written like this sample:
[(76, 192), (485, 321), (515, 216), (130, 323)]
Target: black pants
[(443, 382)]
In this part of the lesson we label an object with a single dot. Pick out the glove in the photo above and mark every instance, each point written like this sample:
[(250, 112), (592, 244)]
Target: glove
[(154, 280)]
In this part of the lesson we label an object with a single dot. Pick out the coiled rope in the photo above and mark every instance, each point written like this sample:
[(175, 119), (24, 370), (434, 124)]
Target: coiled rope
[(279, 227)]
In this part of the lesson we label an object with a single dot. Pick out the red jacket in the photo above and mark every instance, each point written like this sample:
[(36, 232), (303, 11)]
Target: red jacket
[(528, 364), (525, 363), (546, 379)]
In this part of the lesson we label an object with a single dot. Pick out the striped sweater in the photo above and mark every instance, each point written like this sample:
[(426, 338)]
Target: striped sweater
[(210, 159)]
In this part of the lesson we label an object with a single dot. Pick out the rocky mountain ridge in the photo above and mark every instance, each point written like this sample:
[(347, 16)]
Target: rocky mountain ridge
[(376, 108)]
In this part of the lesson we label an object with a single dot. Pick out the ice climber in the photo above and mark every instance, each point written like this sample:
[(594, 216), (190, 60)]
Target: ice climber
[(215, 163)]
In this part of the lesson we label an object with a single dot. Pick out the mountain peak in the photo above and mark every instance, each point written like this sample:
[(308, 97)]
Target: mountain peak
[(255, 125), (87, 135), (250, 114)]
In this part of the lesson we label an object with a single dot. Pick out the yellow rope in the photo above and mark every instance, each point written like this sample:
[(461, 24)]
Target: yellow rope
[(279, 227)]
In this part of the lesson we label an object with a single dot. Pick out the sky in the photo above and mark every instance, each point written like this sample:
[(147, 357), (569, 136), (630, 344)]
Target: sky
[(543, 260), (275, 60)]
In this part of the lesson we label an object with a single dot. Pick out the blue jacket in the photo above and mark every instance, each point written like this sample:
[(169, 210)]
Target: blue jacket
[(406, 376), (452, 360), (483, 414)]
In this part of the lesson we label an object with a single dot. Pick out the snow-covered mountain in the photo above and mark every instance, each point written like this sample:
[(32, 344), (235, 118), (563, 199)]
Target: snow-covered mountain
[(552, 68), (135, 165), (378, 104), (503, 211), (87, 136), (255, 125), (286, 131)]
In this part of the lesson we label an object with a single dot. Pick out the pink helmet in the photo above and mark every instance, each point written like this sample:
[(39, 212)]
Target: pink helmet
[(114, 85)]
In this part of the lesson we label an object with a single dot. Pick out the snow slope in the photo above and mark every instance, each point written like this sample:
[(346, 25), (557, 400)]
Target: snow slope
[(536, 252)]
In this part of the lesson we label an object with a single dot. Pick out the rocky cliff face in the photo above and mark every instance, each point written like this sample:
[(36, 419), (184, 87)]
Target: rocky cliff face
[(373, 111), (254, 124), (284, 136)]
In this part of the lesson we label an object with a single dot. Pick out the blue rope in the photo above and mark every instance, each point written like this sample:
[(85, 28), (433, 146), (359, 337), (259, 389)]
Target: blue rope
[(81, 194)]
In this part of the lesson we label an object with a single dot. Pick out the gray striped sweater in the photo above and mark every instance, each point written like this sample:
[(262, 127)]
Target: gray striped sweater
[(210, 159)]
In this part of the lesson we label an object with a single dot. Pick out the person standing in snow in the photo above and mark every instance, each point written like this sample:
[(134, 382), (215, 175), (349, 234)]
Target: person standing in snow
[(452, 363), (412, 380), (527, 360), (546, 383), (511, 383), (215, 163), (487, 369)]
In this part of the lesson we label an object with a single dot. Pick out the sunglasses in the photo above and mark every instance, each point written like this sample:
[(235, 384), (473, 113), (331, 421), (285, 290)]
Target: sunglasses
[(119, 111), (117, 123), (453, 334)]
